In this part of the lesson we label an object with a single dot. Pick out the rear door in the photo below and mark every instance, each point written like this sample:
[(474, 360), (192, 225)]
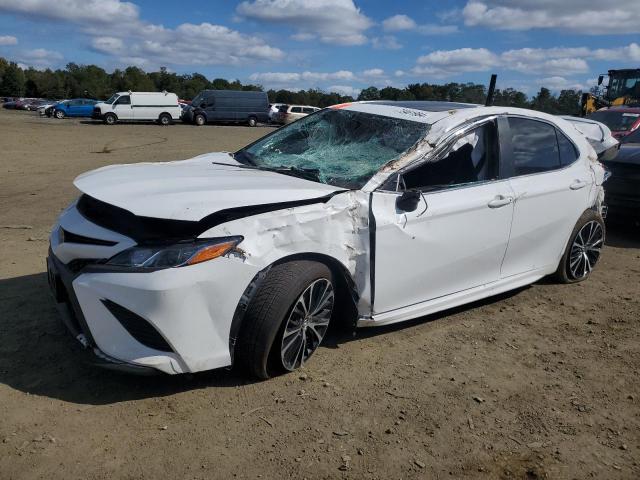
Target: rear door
[(551, 192), (456, 237)]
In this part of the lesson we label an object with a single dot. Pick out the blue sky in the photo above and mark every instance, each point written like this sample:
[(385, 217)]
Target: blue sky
[(341, 45)]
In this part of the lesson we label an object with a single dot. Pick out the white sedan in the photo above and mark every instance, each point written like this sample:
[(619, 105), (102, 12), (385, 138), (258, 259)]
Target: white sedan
[(369, 213)]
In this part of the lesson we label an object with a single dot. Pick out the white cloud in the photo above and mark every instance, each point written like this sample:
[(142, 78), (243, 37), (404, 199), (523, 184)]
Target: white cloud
[(373, 73), (551, 62), (6, 40), (399, 23), (589, 17), (91, 11), (337, 22), (557, 83), (450, 62), (38, 58), (280, 78), (130, 39), (386, 42), (344, 90)]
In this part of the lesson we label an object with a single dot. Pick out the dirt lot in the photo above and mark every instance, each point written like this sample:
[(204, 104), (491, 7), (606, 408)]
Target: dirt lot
[(539, 383)]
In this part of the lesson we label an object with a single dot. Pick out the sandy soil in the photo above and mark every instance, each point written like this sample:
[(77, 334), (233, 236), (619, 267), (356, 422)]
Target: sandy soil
[(539, 383)]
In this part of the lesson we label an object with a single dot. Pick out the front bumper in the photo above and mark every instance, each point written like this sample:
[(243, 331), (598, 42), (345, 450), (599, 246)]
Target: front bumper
[(191, 308)]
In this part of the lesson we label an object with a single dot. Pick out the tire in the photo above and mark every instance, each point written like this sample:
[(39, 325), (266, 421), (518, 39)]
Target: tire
[(110, 119), (252, 121), (199, 120), (273, 338), (165, 119), (583, 249), (59, 114)]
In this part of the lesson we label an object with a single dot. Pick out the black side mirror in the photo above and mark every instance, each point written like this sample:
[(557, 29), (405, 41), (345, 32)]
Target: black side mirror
[(408, 201), (600, 79)]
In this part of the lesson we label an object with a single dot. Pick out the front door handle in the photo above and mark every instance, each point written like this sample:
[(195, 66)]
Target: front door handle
[(577, 185), (500, 201)]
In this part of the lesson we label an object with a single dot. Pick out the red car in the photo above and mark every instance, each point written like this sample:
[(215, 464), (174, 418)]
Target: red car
[(621, 120)]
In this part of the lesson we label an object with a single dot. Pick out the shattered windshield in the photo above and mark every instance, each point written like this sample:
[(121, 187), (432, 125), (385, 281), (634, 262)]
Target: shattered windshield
[(340, 147)]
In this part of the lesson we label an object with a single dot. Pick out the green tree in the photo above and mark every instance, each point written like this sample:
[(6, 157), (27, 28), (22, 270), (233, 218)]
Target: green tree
[(369, 93), (13, 81)]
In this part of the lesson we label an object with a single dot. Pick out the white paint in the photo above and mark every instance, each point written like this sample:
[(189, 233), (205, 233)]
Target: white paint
[(458, 250)]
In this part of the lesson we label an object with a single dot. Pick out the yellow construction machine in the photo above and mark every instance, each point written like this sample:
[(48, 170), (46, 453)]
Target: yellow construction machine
[(623, 89)]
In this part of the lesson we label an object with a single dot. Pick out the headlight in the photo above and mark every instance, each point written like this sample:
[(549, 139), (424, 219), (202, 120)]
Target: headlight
[(175, 255)]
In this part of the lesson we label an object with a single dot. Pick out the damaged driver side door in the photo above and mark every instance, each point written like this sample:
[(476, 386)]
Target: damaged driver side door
[(445, 228)]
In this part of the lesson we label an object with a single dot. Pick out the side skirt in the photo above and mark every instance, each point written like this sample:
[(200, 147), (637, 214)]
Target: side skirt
[(455, 299)]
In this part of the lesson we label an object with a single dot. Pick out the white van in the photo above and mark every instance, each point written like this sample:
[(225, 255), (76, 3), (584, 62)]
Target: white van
[(161, 107)]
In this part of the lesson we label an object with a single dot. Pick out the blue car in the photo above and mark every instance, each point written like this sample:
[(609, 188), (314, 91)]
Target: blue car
[(76, 107)]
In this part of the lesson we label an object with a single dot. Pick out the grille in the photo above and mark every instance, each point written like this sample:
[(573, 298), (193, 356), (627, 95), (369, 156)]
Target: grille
[(137, 327)]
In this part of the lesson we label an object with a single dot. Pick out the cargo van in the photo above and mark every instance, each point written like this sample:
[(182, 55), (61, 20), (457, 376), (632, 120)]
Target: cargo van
[(228, 106), (161, 107)]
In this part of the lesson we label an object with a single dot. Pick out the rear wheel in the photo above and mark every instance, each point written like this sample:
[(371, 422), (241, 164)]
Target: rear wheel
[(253, 121), (583, 250), (199, 120), (164, 119), (110, 119), (287, 319), (59, 114)]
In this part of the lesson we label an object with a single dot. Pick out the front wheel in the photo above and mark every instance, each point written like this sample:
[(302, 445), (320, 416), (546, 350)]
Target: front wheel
[(287, 318), (199, 120), (59, 114), (583, 250), (110, 119), (252, 121)]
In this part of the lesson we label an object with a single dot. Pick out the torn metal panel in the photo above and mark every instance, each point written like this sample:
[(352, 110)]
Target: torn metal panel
[(338, 229)]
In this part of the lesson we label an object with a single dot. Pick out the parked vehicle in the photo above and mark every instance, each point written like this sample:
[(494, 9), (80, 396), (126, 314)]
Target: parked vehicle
[(47, 108), (161, 107), (370, 213), (620, 120), (274, 109), (228, 106), (622, 190), (76, 107), (291, 113)]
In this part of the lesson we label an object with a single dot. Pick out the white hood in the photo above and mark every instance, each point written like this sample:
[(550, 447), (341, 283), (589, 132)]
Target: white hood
[(192, 189)]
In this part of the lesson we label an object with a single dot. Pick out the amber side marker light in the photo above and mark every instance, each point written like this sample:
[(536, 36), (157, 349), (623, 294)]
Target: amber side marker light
[(210, 252)]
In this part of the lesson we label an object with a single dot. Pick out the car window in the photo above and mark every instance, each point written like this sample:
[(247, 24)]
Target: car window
[(296, 109), (124, 100), (308, 110), (471, 158), (534, 146), (568, 152)]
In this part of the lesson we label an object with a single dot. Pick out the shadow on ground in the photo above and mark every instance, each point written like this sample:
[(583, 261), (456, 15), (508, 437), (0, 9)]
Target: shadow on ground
[(39, 357)]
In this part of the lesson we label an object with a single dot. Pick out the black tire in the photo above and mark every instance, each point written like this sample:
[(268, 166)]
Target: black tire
[(566, 268), (110, 119), (165, 119), (199, 120), (59, 114), (253, 121), (258, 350)]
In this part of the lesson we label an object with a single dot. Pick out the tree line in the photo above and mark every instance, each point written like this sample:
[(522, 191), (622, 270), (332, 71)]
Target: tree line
[(94, 82)]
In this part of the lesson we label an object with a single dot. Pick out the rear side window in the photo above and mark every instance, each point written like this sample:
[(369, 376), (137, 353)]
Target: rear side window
[(568, 152), (296, 109), (308, 110), (472, 158), (534, 146)]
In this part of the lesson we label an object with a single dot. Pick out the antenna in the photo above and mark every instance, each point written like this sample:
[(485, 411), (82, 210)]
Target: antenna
[(491, 91)]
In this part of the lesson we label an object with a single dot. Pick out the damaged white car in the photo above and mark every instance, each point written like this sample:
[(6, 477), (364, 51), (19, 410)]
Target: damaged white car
[(368, 213)]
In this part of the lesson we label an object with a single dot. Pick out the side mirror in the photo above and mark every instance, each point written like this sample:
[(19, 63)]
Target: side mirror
[(600, 79), (408, 201)]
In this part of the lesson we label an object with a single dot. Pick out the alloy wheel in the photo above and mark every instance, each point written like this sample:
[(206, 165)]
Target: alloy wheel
[(307, 324), (585, 250)]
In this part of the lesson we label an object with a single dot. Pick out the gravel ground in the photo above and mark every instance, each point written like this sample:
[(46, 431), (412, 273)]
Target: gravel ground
[(541, 382)]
